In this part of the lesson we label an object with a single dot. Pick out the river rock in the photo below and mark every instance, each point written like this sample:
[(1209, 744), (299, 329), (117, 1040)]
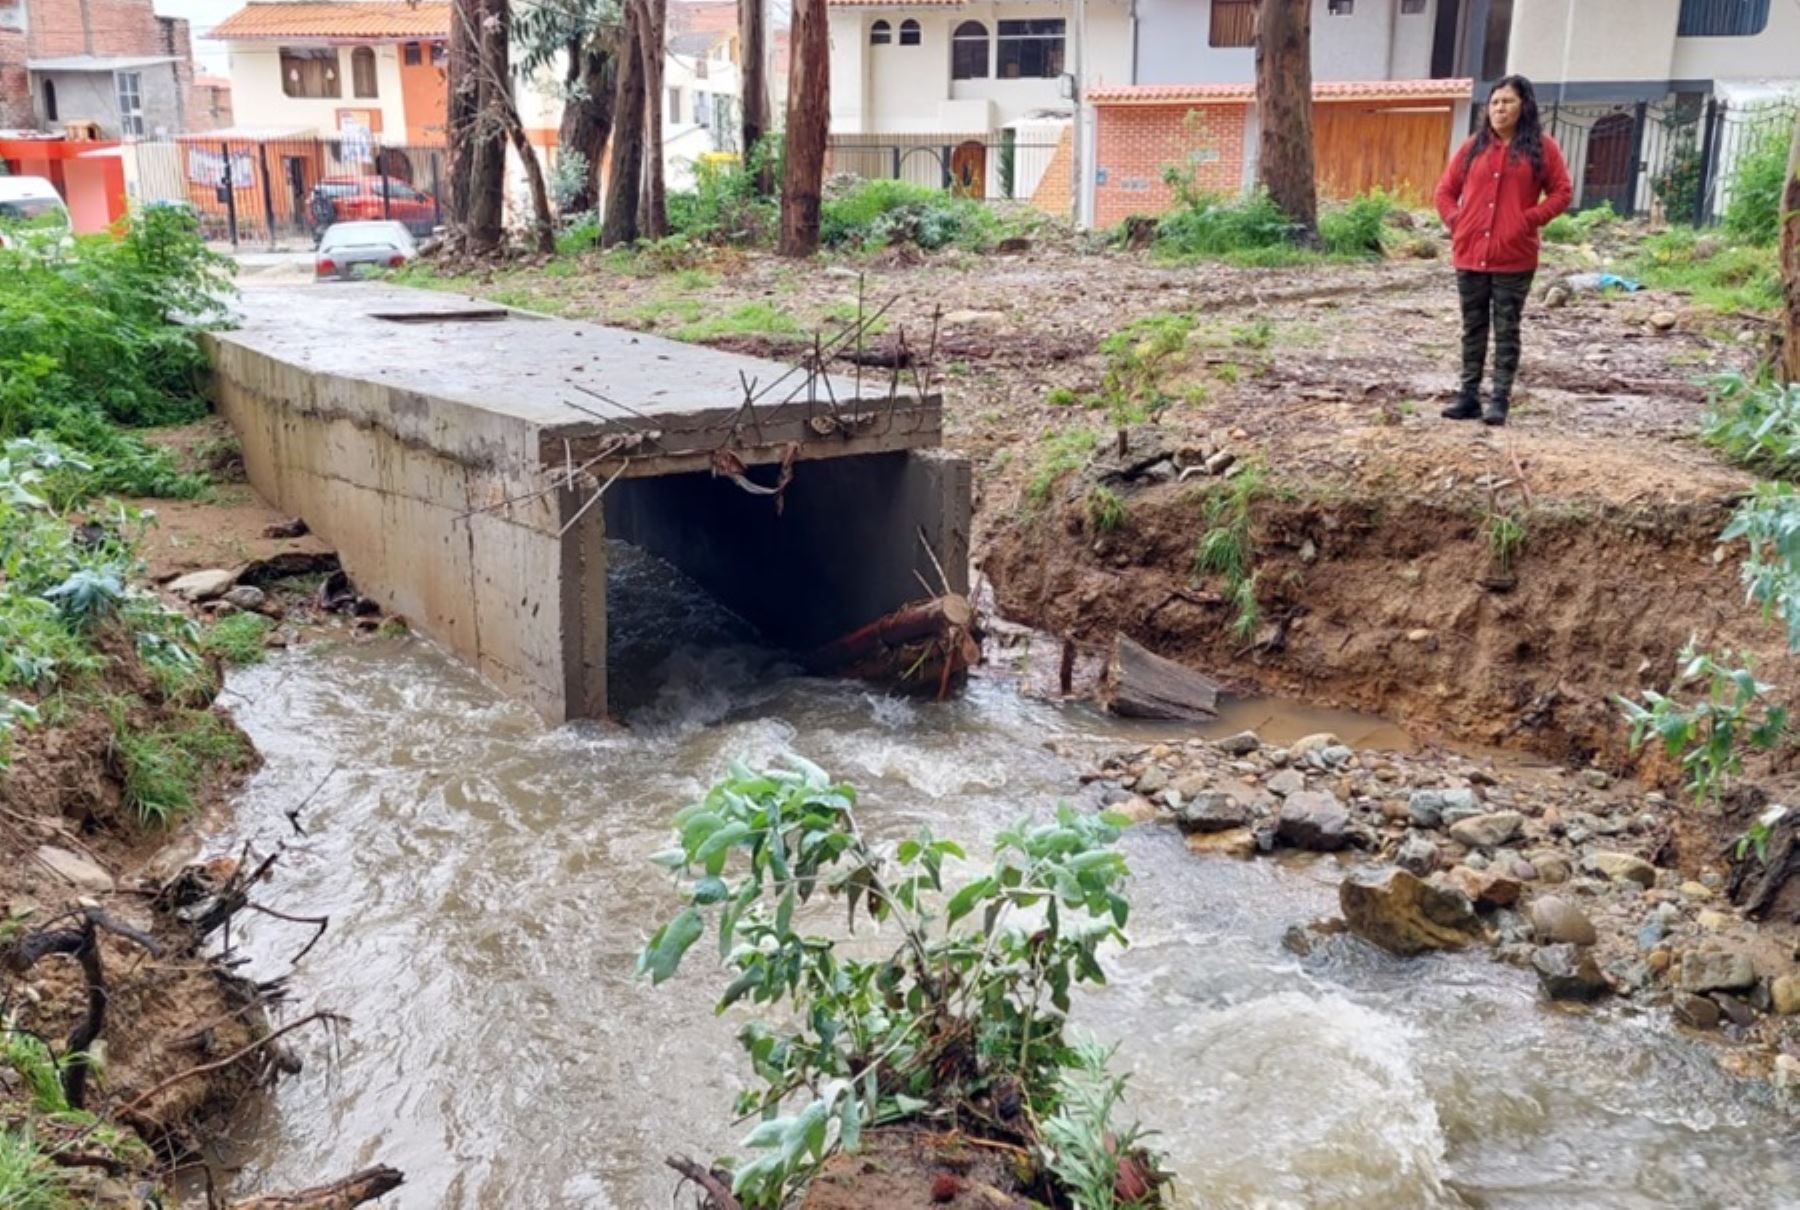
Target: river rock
[(1712, 970), (1317, 742), (1487, 831), (1426, 808), (1696, 1011), (1241, 744), (1314, 820), (1286, 782), (1153, 780), (1404, 914), (200, 586), (1551, 865), (1557, 921), (76, 870), (1662, 321), (1134, 808), (1192, 785), (1460, 803), (1486, 889), (247, 597), (1212, 812), (1417, 855), (1569, 972), (1784, 995), (1238, 842), (1621, 867)]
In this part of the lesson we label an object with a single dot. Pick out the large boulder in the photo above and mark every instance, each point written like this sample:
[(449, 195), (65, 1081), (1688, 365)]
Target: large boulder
[(1212, 812), (1404, 914), (1557, 921), (1569, 972), (1488, 831), (197, 586), (1315, 820)]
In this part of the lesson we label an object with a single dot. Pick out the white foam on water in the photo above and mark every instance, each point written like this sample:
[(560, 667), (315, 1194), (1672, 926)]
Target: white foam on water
[(1306, 1101)]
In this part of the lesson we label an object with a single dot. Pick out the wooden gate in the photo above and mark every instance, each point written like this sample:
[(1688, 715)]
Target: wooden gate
[(1399, 148), (968, 169)]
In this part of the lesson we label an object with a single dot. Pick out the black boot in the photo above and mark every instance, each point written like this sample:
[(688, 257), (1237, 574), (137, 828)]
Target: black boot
[(1466, 407), (1495, 411)]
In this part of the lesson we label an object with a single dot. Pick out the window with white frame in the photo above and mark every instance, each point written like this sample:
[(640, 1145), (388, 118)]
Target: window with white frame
[(1029, 49), (310, 71), (909, 32), (969, 51), (131, 102), (881, 34)]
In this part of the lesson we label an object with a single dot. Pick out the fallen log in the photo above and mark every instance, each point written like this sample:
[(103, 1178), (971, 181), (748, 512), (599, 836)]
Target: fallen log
[(925, 647), (1138, 683), (353, 1190)]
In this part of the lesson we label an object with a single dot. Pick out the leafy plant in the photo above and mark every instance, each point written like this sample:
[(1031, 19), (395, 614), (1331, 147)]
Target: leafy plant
[(1105, 509), (1756, 423), (1208, 225), (1740, 277), (1355, 228), (1505, 539), (238, 639), (1706, 733), (959, 1024), (1754, 212), (877, 213), (1581, 226), (1756, 837), (1769, 521), (1677, 186), (1094, 1158), (1139, 357)]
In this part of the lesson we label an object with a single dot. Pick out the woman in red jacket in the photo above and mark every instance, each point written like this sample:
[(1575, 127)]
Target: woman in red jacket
[(1500, 189)]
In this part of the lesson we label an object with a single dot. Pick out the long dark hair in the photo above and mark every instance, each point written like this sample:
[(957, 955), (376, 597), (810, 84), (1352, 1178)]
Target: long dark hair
[(1528, 136)]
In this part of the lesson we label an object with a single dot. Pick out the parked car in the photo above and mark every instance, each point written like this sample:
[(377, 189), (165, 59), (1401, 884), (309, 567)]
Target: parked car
[(345, 199), (30, 208), (348, 251)]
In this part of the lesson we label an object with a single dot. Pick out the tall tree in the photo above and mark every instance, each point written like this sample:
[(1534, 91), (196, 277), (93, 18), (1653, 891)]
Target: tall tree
[(464, 105), (753, 50), (1284, 108), (625, 163), (484, 218), (808, 123), (653, 215), (588, 115), (1790, 260)]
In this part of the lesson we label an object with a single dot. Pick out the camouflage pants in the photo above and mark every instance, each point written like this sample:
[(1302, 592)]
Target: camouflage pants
[(1496, 300)]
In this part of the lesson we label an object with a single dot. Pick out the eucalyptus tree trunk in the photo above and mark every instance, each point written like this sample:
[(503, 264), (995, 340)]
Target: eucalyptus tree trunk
[(808, 123), (1790, 260), (1284, 108), (625, 164), (587, 121), (753, 48), (653, 216)]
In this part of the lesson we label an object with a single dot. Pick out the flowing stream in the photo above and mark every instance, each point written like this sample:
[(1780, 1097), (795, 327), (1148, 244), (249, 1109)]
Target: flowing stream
[(487, 883)]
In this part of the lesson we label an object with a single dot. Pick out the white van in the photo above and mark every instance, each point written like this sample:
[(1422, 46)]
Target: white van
[(30, 203)]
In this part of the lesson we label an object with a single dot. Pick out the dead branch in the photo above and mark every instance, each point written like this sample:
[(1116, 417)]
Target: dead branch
[(717, 1195), (353, 1190)]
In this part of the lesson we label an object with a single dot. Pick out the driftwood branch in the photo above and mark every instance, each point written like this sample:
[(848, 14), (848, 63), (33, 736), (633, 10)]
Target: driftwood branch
[(718, 1196), (359, 1187), (1141, 684)]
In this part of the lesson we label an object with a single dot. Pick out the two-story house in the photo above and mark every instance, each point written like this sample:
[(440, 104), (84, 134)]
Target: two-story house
[(110, 65)]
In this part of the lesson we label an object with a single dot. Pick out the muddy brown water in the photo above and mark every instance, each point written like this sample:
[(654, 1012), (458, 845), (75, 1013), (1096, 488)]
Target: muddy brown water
[(488, 886)]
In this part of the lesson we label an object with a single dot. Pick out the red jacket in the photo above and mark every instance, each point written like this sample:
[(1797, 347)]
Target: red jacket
[(1495, 206)]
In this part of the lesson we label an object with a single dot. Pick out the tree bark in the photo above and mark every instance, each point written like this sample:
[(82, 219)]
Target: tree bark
[(753, 48), (587, 122), (653, 218), (543, 222), (808, 123), (464, 104), (484, 228), (1284, 109), (625, 164), (1141, 684), (1790, 261), (353, 1190)]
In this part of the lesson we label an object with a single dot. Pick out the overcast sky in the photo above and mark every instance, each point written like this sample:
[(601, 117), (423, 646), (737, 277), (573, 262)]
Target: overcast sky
[(203, 15)]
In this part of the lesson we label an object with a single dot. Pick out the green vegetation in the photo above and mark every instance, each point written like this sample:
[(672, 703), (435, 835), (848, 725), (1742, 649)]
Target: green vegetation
[(1225, 548), (237, 640), (1754, 213), (164, 766), (881, 212), (967, 1004), (1581, 227), (1253, 232), (1755, 424), (86, 349), (1724, 277), (746, 319), (1505, 538), (1105, 509), (1138, 358), (1707, 732), (1355, 229), (1062, 397), (28, 1180), (1062, 452), (724, 207)]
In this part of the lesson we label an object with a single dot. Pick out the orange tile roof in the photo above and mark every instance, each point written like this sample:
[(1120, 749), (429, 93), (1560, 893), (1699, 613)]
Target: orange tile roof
[(1326, 90), (336, 20)]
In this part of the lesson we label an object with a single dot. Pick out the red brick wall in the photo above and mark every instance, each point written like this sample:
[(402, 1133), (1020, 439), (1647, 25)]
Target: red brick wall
[(114, 27), (15, 85), (1134, 143)]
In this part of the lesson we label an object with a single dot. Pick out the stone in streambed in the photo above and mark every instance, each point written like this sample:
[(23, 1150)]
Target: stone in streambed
[(1621, 867), (1212, 812), (1488, 831), (1404, 914), (1716, 970), (1556, 921), (1417, 855), (1569, 972), (1314, 820)]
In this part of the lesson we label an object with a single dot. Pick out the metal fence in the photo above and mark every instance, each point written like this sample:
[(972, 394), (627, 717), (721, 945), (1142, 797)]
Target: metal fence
[(1676, 162), (288, 190), (982, 166)]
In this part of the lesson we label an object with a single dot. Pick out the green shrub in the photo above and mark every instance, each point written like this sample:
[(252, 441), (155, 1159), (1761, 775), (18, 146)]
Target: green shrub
[(237, 640), (724, 206), (1582, 226), (1210, 225), (164, 767), (881, 212), (28, 1180), (1734, 277), (1754, 213), (1355, 228), (1707, 734), (581, 235)]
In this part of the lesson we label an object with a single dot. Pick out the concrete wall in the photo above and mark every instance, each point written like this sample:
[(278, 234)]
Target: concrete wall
[(257, 98), (844, 550), (387, 477), (1773, 54), (1605, 39), (1376, 41)]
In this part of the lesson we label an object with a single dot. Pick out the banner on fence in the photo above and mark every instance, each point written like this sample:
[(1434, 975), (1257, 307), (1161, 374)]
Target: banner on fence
[(207, 167)]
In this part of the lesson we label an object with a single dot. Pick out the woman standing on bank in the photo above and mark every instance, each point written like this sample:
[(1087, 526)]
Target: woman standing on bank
[(1500, 189)]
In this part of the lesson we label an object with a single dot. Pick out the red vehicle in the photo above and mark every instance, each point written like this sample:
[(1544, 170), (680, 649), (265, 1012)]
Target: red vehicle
[(346, 199)]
